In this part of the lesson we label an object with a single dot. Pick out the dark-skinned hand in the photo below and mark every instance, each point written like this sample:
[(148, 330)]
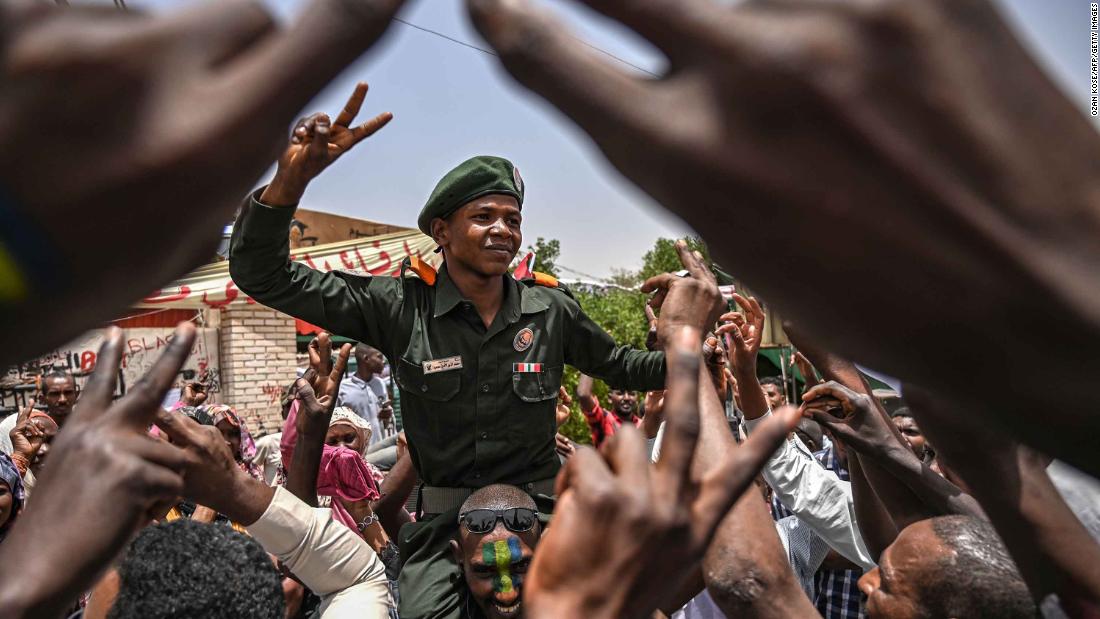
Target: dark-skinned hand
[(190, 107), (211, 475), (316, 142), (870, 142), (193, 393), (692, 301), (851, 417), (324, 375), (105, 479), (26, 437), (746, 331), (615, 510)]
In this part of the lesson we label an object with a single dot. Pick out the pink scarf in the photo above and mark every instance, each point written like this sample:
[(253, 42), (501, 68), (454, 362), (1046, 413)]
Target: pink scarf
[(342, 475)]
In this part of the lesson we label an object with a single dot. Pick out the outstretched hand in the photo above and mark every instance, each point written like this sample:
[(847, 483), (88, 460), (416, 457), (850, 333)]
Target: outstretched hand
[(746, 331), (692, 302), (190, 107), (26, 438), (316, 142), (938, 185), (614, 509), (106, 473), (850, 416)]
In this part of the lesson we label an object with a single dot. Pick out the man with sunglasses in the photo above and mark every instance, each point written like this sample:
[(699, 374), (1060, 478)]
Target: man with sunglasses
[(497, 534)]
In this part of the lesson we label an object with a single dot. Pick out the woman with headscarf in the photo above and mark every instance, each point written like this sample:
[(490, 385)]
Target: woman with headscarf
[(11, 494), (237, 438)]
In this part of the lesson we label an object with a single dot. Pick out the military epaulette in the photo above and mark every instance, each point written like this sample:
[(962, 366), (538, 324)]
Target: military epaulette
[(422, 269), (542, 279)]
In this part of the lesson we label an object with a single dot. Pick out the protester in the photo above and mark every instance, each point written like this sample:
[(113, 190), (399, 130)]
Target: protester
[(909, 429), (949, 566), (11, 494), (57, 390), (498, 531), (191, 569), (268, 456), (364, 392), (603, 423)]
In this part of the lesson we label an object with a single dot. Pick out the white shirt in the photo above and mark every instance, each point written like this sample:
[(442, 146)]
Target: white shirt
[(329, 559), (269, 456), (818, 497), (362, 397), (6, 426)]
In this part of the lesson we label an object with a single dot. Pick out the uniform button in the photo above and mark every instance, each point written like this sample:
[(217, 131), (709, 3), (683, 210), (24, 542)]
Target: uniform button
[(423, 388), (484, 435), (477, 475), (485, 388)]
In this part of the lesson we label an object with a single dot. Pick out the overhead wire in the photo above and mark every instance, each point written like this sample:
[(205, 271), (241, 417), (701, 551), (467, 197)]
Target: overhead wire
[(493, 53)]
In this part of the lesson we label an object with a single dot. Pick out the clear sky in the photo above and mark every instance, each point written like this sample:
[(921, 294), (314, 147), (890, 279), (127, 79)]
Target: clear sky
[(451, 102)]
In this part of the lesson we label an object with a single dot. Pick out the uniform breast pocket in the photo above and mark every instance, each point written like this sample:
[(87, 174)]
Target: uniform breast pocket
[(436, 386), (537, 386)]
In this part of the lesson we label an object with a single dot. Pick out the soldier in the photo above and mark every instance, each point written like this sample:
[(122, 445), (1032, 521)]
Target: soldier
[(478, 356)]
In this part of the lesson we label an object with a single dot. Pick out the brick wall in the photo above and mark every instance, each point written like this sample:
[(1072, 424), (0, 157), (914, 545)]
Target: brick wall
[(257, 360)]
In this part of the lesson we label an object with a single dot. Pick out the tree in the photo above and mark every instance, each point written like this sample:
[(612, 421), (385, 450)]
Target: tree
[(622, 314), (547, 253), (664, 259)]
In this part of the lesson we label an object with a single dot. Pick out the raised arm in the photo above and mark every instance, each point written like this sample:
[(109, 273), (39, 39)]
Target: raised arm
[(1054, 551), (746, 331), (316, 393), (744, 569), (259, 254), (852, 418), (585, 395)]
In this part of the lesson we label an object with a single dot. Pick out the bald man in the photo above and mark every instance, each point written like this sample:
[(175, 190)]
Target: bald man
[(497, 534)]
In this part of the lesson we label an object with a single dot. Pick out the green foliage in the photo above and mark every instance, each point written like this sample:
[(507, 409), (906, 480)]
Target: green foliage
[(546, 255), (625, 278), (622, 314), (664, 259)]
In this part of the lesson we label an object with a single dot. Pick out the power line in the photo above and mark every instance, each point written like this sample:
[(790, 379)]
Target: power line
[(493, 53), (449, 38)]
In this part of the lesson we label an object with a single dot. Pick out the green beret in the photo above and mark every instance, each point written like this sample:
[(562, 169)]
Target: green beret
[(473, 178)]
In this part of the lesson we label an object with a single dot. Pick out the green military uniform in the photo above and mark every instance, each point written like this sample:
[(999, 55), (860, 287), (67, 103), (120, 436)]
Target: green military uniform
[(478, 403)]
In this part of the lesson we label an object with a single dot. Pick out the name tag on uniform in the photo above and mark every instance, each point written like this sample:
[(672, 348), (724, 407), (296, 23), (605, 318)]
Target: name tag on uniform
[(442, 365), (527, 368)]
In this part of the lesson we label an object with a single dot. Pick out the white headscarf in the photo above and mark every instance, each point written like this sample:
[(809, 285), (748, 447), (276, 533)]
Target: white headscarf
[(343, 414)]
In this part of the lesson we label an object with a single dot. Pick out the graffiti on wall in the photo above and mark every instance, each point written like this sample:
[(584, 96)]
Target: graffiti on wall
[(141, 349)]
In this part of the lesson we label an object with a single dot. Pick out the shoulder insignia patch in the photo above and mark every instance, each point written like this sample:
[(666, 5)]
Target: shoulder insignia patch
[(542, 279), (422, 269)]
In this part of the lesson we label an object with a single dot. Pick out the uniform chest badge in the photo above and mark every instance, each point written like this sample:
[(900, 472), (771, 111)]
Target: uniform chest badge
[(524, 339)]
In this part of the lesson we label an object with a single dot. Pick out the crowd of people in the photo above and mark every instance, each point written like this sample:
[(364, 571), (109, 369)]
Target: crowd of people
[(933, 199)]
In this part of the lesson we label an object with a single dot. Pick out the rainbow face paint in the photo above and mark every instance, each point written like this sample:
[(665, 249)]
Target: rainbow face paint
[(502, 554)]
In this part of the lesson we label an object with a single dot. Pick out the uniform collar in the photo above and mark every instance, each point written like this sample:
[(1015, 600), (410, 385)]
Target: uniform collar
[(518, 298)]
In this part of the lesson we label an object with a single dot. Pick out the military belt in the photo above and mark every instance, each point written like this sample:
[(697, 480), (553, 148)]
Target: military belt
[(438, 499)]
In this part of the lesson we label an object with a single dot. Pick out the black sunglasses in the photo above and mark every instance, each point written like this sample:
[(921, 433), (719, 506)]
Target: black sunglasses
[(517, 519)]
